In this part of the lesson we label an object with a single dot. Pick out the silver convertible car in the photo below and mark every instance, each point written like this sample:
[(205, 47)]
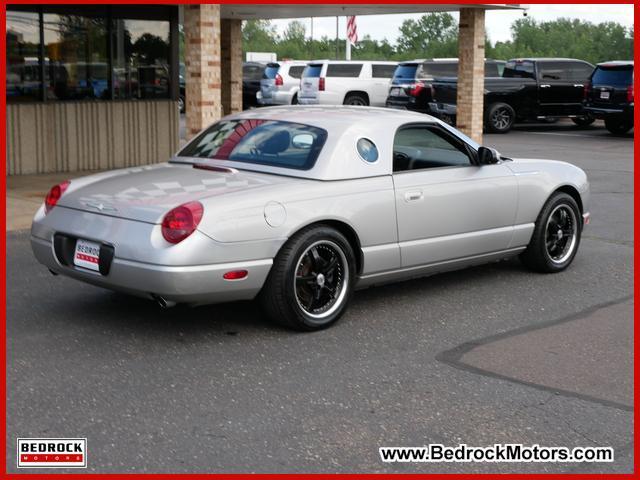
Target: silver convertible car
[(298, 206)]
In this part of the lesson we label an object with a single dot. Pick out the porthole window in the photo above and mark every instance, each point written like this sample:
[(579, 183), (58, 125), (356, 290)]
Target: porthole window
[(367, 150)]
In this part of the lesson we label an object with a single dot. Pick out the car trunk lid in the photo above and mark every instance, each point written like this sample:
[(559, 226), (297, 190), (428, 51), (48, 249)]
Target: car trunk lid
[(146, 193)]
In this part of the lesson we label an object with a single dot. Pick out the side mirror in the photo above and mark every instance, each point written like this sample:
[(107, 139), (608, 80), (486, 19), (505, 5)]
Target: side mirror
[(488, 156)]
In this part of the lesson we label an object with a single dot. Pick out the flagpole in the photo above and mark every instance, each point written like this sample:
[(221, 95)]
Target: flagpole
[(347, 54)]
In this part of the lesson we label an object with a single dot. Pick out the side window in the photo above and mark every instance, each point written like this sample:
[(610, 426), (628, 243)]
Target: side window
[(296, 72), (344, 70), (417, 147), (519, 69), (382, 71), (580, 72), (554, 71)]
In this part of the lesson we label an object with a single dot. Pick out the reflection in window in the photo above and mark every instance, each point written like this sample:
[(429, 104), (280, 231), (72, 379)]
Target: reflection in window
[(23, 66), (141, 59), (75, 57)]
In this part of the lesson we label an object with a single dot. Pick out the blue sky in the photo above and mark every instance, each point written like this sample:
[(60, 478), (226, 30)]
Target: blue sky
[(497, 22)]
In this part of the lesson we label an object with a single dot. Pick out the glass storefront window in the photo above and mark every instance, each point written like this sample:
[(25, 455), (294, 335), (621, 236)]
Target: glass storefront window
[(23, 65), (141, 59), (76, 62)]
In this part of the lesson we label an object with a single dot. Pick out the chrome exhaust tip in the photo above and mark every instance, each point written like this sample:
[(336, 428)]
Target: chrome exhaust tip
[(163, 302)]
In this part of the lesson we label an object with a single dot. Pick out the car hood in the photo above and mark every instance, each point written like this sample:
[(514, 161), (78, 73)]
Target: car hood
[(147, 193)]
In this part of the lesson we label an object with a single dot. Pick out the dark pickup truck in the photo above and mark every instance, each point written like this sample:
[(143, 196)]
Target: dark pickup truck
[(529, 89)]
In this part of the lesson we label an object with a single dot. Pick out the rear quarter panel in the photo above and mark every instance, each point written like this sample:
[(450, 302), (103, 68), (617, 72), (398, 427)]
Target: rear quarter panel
[(539, 179)]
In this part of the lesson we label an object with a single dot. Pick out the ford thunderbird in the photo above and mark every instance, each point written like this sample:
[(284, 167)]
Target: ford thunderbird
[(298, 206)]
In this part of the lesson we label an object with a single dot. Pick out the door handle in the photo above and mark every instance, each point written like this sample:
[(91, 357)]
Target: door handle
[(578, 85), (413, 196), (545, 86)]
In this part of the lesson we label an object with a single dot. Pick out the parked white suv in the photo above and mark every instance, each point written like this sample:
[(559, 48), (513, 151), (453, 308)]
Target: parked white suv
[(280, 83), (333, 82)]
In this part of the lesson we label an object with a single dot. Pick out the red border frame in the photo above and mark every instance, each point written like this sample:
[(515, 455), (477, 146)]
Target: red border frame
[(3, 334)]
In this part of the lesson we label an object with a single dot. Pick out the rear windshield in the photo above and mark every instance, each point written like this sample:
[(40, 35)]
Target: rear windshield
[(262, 142), (617, 76), (271, 71), (406, 71), (312, 71)]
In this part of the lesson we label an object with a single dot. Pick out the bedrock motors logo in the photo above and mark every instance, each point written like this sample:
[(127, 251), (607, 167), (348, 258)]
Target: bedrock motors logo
[(52, 453)]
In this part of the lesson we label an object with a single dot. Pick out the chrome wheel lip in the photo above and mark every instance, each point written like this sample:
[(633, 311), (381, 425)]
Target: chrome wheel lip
[(337, 300), (570, 246)]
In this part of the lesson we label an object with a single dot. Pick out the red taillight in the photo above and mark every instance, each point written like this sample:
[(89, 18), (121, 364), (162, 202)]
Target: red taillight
[(54, 195), (235, 275), (279, 81), (585, 91), (181, 222), (415, 88), (630, 93), (321, 84)]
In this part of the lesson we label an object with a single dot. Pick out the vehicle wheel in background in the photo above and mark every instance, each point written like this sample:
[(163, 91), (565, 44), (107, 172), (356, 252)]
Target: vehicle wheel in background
[(181, 104), (500, 118), (294, 100), (356, 99), (617, 126), (583, 121), (311, 280), (556, 236)]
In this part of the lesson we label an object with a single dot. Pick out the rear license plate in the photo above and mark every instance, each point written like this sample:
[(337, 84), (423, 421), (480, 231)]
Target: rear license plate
[(604, 95), (87, 255)]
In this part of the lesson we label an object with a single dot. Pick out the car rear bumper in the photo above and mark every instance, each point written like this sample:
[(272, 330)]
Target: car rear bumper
[(140, 262), (406, 103), (443, 108), (606, 112), (192, 284), (276, 98)]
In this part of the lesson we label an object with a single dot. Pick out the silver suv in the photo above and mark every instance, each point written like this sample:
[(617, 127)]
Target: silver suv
[(280, 83)]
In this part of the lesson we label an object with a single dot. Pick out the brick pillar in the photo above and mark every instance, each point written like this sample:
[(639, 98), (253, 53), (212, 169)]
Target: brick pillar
[(202, 61), (231, 47), (471, 72)]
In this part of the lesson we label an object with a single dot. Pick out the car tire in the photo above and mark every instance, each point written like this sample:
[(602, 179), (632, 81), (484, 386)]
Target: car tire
[(583, 121), (499, 118), (298, 291), (556, 236), (294, 100), (617, 127), (356, 99), (181, 104)]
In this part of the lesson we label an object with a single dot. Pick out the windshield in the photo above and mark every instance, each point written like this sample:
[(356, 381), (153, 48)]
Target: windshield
[(264, 142), (614, 76)]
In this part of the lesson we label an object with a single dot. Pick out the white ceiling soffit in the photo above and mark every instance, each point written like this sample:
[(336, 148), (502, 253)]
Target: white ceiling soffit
[(263, 11)]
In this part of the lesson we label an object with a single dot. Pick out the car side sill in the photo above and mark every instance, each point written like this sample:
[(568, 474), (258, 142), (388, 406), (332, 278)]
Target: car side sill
[(437, 267)]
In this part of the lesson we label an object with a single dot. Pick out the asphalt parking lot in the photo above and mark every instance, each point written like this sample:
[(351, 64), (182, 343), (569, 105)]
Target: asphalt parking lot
[(493, 354)]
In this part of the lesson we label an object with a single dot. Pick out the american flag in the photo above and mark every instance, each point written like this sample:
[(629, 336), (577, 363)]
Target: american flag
[(352, 30)]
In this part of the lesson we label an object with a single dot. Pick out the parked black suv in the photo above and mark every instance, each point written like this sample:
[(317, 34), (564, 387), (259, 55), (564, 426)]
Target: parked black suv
[(251, 75), (411, 84), (530, 89), (609, 95)]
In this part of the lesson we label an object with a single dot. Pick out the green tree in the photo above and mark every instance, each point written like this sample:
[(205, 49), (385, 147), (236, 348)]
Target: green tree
[(259, 36), (432, 35)]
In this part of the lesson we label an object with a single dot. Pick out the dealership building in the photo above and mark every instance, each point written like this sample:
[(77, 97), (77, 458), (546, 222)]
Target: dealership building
[(96, 86)]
